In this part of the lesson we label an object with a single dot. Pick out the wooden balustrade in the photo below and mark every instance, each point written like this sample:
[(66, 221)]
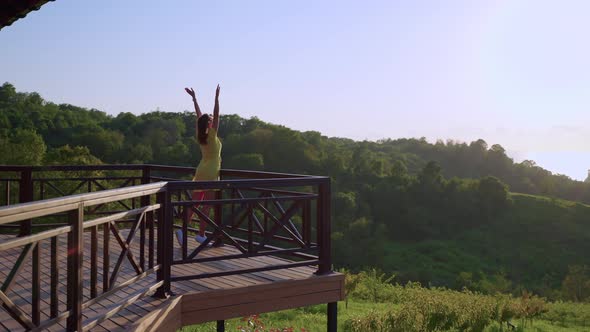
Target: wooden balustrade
[(259, 213)]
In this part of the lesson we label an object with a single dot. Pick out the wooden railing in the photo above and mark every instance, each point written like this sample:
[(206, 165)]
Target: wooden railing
[(75, 207), (259, 213)]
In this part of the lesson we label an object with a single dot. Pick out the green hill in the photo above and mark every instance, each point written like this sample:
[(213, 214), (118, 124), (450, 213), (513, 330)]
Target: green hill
[(531, 245), (440, 213)]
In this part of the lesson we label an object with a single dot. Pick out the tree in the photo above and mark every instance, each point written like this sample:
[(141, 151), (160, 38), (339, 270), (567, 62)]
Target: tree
[(136, 153), (430, 184), (497, 162), (247, 161), (105, 144), (345, 203), (176, 154), (375, 281), (465, 280), (493, 196), (576, 284), (124, 122), (431, 175), (498, 283), (229, 124), (351, 281), (22, 147), (67, 155), (7, 95)]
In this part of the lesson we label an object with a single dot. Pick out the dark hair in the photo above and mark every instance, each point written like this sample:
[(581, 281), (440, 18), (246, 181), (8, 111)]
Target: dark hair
[(202, 125)]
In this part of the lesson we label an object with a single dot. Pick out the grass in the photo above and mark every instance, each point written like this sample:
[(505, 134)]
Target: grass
[(313, 318), (540, 326)]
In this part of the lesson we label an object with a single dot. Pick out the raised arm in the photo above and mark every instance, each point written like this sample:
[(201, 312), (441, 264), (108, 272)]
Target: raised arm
[(191, 92), (216, 109)]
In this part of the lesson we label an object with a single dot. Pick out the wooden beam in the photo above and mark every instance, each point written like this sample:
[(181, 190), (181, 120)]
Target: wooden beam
[(56, 205), (257, 293), (75, 263), (166, 318), (250, 308)]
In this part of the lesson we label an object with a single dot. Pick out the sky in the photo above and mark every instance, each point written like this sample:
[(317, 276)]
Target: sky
[(515, 73)]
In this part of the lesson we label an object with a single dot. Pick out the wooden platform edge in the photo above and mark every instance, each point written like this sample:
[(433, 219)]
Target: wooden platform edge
[(207, 306), (166, 318), (233, 303)]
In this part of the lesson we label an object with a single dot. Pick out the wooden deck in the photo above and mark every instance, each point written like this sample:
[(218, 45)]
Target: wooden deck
[(194, 301), (72, 276)]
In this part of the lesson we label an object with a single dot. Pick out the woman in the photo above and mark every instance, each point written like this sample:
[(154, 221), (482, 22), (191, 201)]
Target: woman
[(210, 164)]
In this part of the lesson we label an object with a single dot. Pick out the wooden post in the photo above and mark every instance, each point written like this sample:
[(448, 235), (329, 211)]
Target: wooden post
[(146, 177), (36, 289), (218, 216), (54, 279), (306, 227), (144, 201), (220, 326), (165, 249), (106, 256), (186, 211), (74, 282), (251, 230), (7, 192), (150, 223), (324, 228), (332, 316), (93, 261), (25, 192)]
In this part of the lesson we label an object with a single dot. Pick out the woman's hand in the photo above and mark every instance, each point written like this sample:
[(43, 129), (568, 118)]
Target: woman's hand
[(216, 109), (191, 92)]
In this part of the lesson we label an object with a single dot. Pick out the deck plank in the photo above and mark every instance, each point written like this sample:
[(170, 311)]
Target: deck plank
[(305, 288)]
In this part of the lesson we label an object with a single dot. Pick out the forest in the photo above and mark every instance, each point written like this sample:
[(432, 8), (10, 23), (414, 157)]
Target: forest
[(445, 214)]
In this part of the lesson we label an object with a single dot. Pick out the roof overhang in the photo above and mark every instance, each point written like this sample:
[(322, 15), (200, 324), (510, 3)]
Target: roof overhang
[(12, 10)]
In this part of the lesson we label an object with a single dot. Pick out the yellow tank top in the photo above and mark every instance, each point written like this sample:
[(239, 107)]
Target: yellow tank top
[(210, 163)]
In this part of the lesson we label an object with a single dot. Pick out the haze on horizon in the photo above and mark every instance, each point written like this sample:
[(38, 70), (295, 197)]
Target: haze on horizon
[(511, 73)]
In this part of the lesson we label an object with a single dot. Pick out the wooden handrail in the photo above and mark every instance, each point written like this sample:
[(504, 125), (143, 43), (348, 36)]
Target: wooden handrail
[(139, 167), (17, 168), (46, 207), (274, 189), (247, 183), (260, 174)]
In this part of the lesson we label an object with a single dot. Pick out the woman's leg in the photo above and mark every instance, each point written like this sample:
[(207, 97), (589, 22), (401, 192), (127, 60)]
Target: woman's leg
[(208, 195), (199, 196)]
